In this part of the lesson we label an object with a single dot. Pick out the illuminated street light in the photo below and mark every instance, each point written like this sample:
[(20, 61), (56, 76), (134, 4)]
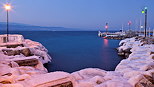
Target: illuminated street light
[(144, 11), (7, 8), (106, 27), (129, 24)]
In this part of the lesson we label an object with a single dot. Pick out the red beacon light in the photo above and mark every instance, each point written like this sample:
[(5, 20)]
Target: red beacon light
[(129, 22), (106, 27)]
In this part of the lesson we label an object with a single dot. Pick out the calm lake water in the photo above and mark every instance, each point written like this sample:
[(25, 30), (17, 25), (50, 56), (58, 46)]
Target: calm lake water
[(72, 51)]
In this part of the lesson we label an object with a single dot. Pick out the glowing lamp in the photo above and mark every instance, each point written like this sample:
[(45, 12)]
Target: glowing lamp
[(143, 12), (145, 7), (7, 7), (106, 27), (129, 22), (141, 26)]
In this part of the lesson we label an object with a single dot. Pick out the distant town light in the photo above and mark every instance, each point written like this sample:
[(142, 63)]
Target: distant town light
[(7, 7)]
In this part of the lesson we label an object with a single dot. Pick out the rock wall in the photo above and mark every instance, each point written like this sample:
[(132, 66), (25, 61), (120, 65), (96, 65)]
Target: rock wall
[(19, 63)]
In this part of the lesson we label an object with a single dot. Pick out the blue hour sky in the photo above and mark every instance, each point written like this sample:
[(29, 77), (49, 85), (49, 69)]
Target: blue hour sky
[(83, 14)]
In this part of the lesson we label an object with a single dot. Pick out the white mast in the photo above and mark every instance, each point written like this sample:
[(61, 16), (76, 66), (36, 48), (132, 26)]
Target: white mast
[(140, 26), (122, 28), (136, 26), (149, 31)]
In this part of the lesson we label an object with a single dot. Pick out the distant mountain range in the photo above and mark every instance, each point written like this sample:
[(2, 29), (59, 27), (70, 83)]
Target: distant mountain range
[(26, 27)]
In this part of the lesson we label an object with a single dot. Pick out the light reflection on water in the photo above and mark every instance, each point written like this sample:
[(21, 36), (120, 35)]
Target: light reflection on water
[(106, 42)]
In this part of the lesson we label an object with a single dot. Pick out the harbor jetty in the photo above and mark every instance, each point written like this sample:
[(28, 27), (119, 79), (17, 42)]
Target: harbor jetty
[(21, 64), (118, 35), (127, 44)]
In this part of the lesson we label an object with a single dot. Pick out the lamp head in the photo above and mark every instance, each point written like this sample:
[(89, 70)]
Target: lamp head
[(141, 27), (129, 22), (143, 11), (7, 7), (106, 26)]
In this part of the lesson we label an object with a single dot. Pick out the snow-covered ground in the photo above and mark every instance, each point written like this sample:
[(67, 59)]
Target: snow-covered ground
[(135, 71)]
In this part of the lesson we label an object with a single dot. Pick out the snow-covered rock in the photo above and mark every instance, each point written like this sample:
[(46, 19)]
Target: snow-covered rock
[(138, 68)]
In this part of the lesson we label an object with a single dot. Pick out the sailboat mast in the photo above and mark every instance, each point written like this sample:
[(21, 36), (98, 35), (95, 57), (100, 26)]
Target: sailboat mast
[(140, 26), (122, 28), (149, 32)]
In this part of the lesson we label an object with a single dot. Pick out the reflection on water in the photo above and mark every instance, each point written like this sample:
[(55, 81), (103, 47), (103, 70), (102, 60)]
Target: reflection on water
[(106, 42)]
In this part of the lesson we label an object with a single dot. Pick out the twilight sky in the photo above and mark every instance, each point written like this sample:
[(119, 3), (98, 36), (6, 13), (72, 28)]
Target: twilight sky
[(84, 14)]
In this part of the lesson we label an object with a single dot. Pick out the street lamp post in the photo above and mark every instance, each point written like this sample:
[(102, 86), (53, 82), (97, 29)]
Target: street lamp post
[(106, 27), (7, 26), (145, 12), (7, 8), (129, 24)]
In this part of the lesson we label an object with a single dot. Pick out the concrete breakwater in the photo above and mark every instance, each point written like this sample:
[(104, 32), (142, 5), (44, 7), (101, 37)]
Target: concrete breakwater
[(21, 65)]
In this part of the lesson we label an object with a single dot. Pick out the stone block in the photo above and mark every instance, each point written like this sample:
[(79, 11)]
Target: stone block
[(27, 62), (11, 52), (53, 79), (26, 52), (146, 81)]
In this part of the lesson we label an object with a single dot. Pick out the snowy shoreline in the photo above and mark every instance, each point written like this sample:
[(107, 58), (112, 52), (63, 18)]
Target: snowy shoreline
[(22, 66)]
